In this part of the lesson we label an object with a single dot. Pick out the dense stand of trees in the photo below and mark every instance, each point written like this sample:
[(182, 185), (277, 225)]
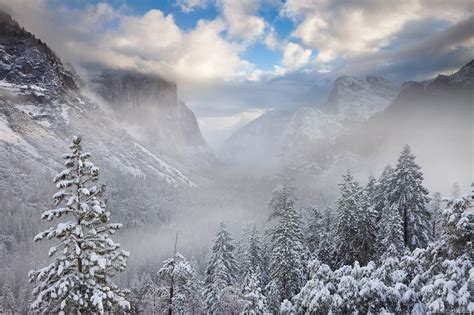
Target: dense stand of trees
[(386, 247)]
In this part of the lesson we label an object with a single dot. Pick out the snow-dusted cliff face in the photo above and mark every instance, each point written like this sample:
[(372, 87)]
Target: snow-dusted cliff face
[(353, 99), (151, 105), (41, 108), (28, 63)]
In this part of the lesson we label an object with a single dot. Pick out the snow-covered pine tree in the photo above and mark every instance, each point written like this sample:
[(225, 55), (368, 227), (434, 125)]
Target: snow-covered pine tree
[(8, 304), (282, 199), (313, 228), (85, 257), (327, 247), (316, 295), (196, 303), (389, 240), (347, 232), (255, 301), (408, 194), (288, 249), (382, 188), (142, 293), (448, 262), (435, 205), (175, 279), (253, 257), (287, 308), (241, 248), (273, 297), (221, 272), (458, 226), (23, 300), (371, 190), (367, 224)]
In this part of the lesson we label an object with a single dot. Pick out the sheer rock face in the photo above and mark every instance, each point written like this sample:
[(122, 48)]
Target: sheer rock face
[(42, 106), (353, 99), (151, 105)]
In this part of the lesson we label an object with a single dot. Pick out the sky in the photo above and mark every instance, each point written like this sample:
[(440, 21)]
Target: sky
[(235, 59)]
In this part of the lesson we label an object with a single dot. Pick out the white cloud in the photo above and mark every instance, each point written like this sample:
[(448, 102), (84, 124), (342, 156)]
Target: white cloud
[(150, 36), (348, 29), (241, 18), (295, 57), (152, 42), (191, 5), (271, 39)]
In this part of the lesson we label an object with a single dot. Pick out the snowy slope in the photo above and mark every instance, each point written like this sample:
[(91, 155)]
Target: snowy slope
[(42, 107)]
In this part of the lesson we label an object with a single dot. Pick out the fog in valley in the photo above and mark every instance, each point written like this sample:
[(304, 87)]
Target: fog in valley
[(273, 185)]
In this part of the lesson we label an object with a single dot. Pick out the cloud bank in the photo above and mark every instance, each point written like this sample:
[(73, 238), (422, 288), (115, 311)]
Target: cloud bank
[(401, 40)]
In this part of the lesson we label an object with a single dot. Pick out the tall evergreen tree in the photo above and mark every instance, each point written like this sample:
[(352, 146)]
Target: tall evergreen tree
[(273, 297), (367, 224), (389, 240), (221, 272), (282, 200), (347, 231), (382, 188), (313, 229), (8, 304), (288, 252), (253, 257), (327, 247), (80, 277), (175, 280), (408, 194), (196, 303), (255, 301)]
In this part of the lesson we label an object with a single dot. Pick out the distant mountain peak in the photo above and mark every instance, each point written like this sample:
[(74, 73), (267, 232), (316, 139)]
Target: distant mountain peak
[(353, 99)]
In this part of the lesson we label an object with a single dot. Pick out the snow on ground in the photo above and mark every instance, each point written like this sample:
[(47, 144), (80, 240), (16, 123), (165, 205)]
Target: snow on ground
[(9, 136), (134, 170), (169, 173), (65, 113), (31, 109), (9, 87), (21, 88)]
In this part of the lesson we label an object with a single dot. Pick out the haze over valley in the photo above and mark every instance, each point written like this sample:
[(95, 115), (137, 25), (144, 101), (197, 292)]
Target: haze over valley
[(260, 157)]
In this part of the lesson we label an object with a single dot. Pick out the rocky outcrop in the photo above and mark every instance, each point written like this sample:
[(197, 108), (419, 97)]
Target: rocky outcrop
[(42, 107), (151, 106), (30, 64), (356, 100)]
